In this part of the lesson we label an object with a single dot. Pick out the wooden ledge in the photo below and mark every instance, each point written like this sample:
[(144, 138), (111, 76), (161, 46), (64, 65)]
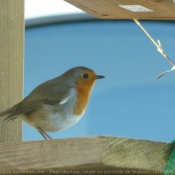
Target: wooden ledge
[(128, 9), (122, 155)]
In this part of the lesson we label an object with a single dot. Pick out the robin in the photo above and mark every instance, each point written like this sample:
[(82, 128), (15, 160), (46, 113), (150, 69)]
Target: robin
[(57, 103)]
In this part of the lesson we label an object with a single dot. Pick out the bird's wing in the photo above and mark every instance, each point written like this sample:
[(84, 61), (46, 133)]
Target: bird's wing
[(29, 105), (49, 93), (25, 106)]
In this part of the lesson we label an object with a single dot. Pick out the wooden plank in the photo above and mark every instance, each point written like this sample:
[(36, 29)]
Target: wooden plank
[(11, 64), (92, 153), (111, 9)]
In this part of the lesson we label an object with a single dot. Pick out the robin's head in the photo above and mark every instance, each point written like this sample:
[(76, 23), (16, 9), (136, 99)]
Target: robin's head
[(82, 76)]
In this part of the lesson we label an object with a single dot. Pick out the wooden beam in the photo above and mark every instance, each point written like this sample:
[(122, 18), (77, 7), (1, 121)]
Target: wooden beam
[(93, 153), (127, 9), (11, 64)]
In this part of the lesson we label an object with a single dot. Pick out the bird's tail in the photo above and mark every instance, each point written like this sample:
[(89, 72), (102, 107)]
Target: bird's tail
[(6, 113)]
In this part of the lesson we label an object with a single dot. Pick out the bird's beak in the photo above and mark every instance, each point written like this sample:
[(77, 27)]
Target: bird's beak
[(99, 76)]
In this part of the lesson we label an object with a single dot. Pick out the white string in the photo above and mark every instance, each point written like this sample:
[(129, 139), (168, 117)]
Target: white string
[(159, 49)]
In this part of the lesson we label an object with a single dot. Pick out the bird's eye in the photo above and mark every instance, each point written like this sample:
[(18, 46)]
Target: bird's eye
[(85, 75)]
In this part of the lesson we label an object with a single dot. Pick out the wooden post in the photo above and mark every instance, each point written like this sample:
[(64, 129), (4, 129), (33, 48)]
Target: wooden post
[(11, 64)]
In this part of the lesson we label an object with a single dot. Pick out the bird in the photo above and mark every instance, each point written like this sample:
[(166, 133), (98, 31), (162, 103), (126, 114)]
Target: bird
[(57, 103)]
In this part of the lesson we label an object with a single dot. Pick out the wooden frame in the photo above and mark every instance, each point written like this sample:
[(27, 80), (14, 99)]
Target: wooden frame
[(11, 64), (92, 153), (111, 9)]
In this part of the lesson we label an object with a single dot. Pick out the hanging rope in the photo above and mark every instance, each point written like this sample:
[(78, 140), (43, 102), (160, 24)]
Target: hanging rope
[(159, 48)]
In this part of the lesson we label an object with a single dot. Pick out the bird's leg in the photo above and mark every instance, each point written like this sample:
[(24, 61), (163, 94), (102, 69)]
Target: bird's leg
[(43, 133)]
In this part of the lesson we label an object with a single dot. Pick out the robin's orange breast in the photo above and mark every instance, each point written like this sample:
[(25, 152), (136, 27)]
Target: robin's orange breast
[(83, 94)]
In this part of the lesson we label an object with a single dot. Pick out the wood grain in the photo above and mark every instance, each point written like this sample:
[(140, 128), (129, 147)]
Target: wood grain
[(11, 64), (110, 9), (86, 154)]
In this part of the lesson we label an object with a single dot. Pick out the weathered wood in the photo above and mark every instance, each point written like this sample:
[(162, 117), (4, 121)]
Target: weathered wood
[(110, 9), (93, 153), (11, 64)]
